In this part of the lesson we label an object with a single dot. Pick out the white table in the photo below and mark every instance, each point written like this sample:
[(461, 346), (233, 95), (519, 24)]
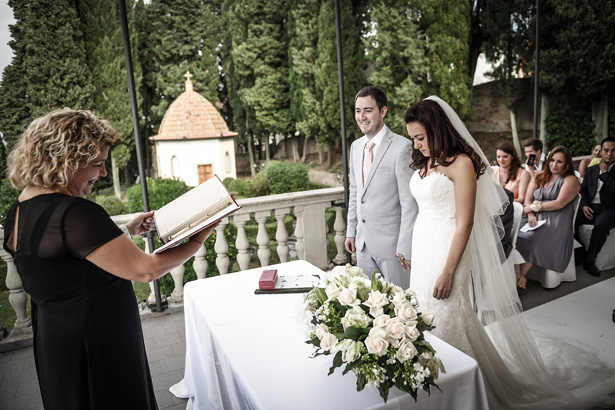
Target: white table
[(244, 351)]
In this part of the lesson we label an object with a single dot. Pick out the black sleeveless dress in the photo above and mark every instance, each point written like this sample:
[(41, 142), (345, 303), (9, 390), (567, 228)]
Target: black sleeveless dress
[(88, 342)]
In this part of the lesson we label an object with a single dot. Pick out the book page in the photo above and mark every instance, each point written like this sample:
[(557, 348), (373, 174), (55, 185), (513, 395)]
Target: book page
[(192, 212)]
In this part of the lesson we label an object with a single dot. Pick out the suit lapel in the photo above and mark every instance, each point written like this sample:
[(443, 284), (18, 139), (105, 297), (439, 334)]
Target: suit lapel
[(386, 143)]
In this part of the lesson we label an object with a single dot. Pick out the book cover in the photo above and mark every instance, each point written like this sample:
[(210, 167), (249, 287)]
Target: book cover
[(192, 212)]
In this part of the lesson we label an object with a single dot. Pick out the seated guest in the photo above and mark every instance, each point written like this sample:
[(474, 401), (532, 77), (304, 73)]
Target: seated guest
[(509, 172), (597, 205), (533, 146), (584, 164), (549, 198)]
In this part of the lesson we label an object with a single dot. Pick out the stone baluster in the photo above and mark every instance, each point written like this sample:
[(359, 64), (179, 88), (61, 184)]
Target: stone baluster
[(177, 274), (262, 237), (299, 246), (200, 263), (18, 298), (339, 226), (281, 234), (242, 244), (221, 247)]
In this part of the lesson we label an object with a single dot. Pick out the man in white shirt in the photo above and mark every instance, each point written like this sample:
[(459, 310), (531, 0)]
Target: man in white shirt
[(597, 205), (381, 209), (533, 146)]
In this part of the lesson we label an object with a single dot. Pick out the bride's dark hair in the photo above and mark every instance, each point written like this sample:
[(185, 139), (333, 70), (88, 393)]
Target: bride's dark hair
[(443, 139)]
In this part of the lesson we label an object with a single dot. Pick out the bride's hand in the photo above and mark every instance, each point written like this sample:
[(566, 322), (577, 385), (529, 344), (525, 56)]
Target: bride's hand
[(443, 287)]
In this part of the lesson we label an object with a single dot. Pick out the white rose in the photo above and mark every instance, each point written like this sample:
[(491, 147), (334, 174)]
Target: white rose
[(405, 311), (354, 270), (406, 351), (377, 344), (348, 297), (327, 341), (412, 332), (321, 330), (381, 321), (399, 298), (356, 317), (332, 291), (376, 299), (428, 317), (376, 311), (395, 328), (352, 353)]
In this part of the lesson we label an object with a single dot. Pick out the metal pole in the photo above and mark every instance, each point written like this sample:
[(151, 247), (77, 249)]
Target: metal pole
[(340, 76), (139, 148), (537, 70)]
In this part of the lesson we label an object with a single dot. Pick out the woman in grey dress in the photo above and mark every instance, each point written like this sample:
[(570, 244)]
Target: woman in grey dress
[(550, 198)]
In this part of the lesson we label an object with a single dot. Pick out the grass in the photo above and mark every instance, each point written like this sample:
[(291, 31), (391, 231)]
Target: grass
[(7, 314)]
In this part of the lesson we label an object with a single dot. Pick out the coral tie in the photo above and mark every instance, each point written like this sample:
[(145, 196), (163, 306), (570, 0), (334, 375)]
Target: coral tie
[(368, 158)]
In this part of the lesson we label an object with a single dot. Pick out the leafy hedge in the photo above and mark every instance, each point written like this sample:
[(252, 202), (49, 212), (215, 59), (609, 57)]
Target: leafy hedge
[(286, 177), (573, 129), (8, 195), (111, 204), (160, 192)]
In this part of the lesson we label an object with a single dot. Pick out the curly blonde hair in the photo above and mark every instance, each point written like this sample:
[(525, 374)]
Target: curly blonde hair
[(55, 146)]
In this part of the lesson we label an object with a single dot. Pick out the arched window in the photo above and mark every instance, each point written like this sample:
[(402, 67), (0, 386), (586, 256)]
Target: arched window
[(175, 168), (227, 162)]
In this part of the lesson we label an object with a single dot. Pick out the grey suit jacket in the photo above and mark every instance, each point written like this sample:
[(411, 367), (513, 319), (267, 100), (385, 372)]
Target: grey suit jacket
[(382, 212)]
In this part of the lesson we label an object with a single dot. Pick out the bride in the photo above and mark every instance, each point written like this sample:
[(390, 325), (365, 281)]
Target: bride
[(457, 249)]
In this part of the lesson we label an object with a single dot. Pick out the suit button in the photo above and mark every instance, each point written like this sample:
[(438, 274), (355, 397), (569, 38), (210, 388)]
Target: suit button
[(362, 201), (363, 220)]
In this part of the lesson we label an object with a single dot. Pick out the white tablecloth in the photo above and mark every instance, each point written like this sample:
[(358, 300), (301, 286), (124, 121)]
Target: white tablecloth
[(244, 351)]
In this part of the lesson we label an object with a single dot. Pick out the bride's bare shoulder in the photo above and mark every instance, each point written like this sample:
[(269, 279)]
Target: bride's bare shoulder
[(461, 167)]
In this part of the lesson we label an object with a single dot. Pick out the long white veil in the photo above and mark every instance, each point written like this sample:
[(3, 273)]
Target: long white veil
[(497, 300)]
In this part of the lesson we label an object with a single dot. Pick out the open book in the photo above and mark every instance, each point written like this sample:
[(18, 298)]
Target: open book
[(192, 212)]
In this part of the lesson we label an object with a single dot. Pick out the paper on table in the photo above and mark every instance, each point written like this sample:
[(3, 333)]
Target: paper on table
[(527, 226)]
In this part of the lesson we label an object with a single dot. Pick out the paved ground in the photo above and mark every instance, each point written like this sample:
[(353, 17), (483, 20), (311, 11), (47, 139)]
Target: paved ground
[(166, 348)]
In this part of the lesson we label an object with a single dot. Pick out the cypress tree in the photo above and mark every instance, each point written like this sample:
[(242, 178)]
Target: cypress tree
[(326, 73), (182, 37), (397, 51), (303, 40), (447, 26), (14, 112), (54, 62)]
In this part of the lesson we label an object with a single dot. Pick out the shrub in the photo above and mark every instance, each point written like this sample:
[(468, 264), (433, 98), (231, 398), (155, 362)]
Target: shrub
[(286, 177), (241, 187), (259, 186), (160, 191), (574, 129), (111, 204), (8, 195), (228, 181)]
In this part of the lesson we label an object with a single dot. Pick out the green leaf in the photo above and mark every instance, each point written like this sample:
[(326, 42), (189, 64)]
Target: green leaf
[(384, 390), (376, 285), (361, 381), (353, 333), (337, 362), (321, 295)]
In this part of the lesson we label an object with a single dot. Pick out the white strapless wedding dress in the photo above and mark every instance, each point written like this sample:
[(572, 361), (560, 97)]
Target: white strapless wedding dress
[(455, 320)]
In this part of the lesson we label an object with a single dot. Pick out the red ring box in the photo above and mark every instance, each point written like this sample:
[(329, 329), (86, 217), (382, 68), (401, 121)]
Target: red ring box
[(268, 279)]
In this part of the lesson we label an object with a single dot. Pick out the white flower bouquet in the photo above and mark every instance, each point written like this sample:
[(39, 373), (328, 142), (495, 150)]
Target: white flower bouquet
[(374, 328)]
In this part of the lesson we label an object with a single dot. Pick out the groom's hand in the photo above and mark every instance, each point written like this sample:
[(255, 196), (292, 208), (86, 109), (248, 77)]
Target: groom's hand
[(349, 244), (405, 263)]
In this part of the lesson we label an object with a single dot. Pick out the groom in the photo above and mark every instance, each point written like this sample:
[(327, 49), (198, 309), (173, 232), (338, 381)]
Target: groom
[(381, 209)]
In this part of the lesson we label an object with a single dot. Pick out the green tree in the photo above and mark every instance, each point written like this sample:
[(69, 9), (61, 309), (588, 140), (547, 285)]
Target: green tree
[(182, 37), (352, 16), (260, 55), (303, 40), (105, 50), (397, 51), (577, 43), (54, 63), (447, 26)]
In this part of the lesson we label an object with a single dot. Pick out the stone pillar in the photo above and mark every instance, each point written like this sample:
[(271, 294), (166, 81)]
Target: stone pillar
[(262, 237), (281, 234), (221, 247), (242, 244), (340, 235)]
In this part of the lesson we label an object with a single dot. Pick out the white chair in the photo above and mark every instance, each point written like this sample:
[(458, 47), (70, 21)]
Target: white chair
[(549, 278), (606, 257)]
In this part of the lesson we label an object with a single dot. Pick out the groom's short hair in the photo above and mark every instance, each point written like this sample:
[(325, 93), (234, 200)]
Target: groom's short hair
[(376, 93)]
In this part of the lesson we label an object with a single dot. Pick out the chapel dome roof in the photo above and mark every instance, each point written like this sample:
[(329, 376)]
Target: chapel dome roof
[(192, 116)]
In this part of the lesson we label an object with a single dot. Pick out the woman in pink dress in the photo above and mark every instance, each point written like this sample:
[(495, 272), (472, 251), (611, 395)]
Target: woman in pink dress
[(509, 172)]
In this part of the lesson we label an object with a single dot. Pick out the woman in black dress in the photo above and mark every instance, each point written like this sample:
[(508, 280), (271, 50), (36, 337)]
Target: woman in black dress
[(77, 266)]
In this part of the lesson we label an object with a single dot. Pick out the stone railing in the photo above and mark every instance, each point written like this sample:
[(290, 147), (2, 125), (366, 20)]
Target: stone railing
[(310, 240)]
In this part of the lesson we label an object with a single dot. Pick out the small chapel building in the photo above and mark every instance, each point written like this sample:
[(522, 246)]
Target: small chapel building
[(193, 141)]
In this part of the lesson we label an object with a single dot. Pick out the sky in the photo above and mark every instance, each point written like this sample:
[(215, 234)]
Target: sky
[(6, 18)]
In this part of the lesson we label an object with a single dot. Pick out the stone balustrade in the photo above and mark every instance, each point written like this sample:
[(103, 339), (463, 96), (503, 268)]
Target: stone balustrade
[(310, 240)]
